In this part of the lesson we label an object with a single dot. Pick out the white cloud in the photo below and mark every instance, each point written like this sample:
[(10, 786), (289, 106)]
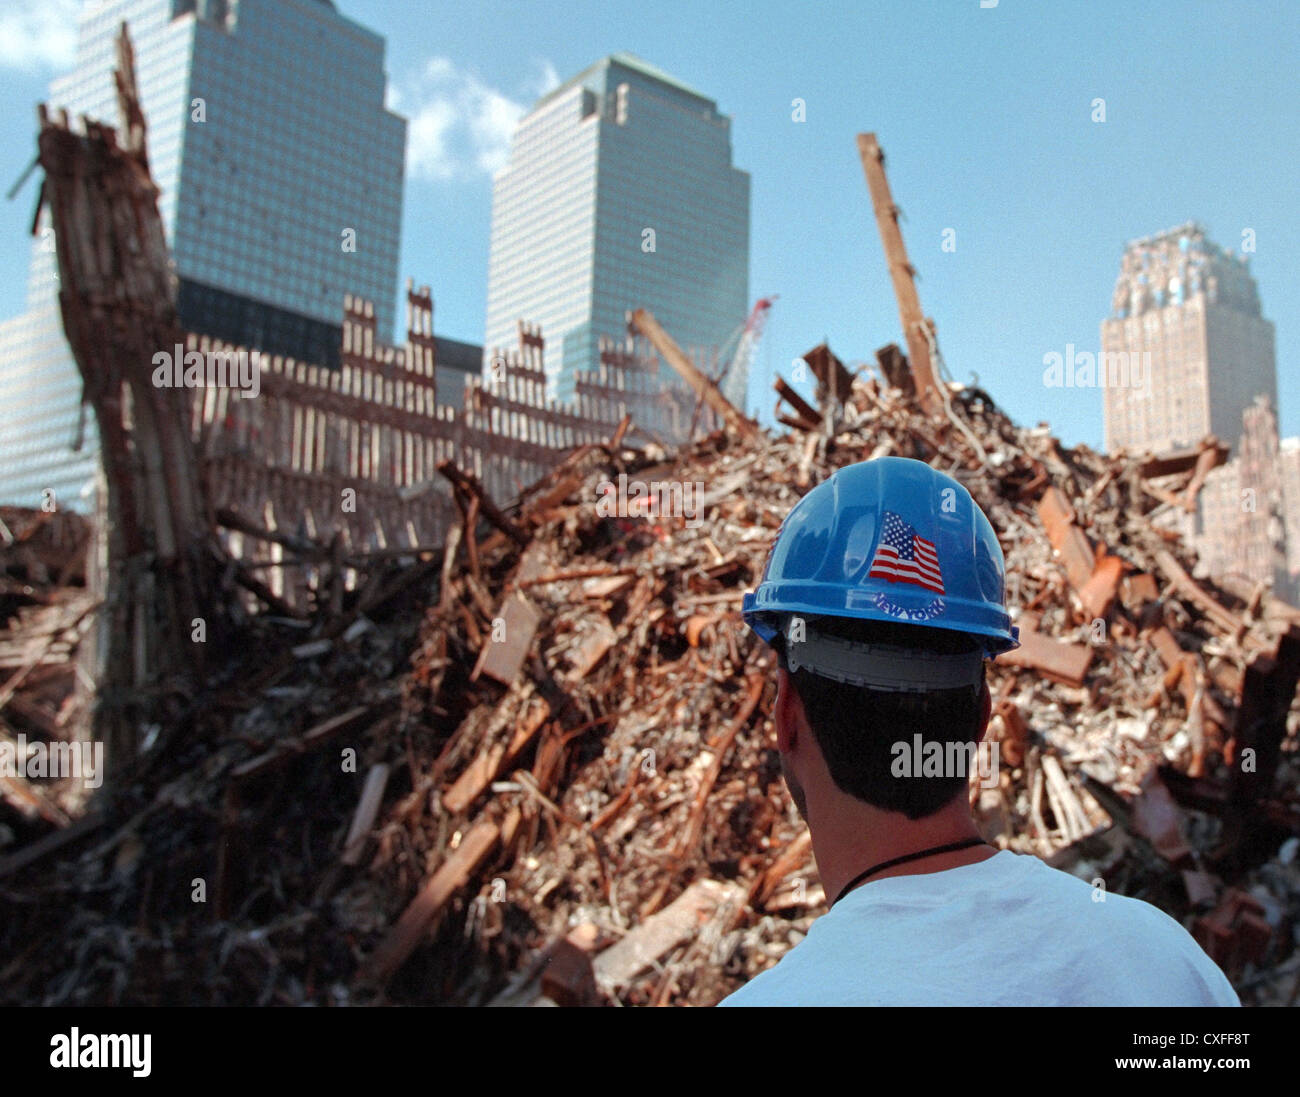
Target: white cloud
[(459, 125), (38, 34), (440, 68), (546, 80), (428, 152)]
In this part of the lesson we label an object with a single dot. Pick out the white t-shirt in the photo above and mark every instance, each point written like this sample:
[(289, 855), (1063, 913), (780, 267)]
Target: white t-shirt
[(1005, 931)]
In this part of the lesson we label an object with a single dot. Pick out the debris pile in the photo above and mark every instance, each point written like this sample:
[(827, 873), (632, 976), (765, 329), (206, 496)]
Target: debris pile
[(46, 611), (538, 765)]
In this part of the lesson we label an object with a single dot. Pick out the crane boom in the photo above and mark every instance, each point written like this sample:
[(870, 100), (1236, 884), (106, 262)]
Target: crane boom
[(735, 378)]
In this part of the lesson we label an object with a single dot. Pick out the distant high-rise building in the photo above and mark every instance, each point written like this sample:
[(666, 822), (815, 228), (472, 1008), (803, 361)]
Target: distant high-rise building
[(281, 175), (619, 193), (1187, 314), (1195, 308)]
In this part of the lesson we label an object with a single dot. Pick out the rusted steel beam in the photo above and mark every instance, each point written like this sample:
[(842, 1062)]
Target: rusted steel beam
[(1267, 691), (596, 572), (260, 590), (901, 272), (1212, 454), (283, 753), (233, 520), (719, 746), (367, 811), (1139, 589), (501, 659), (1235, 933), (834, 382), (493, 760), (895, 369), (452, 875), (1095, 579), (1158, 819), (644, 322), (469, 484), (1181, 664), (620, 432), (806, 413), (1191, 590), (1183, 460), (680, 921), (1060, 661), (1098, 593), (794, 856), (1067, 539)]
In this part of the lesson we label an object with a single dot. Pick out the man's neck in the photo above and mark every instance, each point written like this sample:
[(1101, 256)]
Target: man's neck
[(849, 838)]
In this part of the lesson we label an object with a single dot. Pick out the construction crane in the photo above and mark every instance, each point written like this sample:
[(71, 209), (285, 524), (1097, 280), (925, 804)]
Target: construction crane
[(734, 378)]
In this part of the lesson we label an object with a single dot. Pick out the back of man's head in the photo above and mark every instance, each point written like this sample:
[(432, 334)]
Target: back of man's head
[(858, 729)]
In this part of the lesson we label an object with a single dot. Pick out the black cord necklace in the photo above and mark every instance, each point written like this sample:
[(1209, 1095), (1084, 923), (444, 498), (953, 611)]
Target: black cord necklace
[(951, 847)]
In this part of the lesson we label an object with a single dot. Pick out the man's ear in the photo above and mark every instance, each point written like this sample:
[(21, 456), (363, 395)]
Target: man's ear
[(788, 712), (986, 710)]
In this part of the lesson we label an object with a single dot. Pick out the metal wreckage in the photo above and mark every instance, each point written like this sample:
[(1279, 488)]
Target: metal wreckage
[(532, 763)]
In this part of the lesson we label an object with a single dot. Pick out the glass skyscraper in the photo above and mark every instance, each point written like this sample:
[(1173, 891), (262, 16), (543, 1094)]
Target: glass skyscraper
[(619, 193), (281, 174)]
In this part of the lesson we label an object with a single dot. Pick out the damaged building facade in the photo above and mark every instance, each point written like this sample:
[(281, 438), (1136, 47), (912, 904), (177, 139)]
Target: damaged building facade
[(270, 143)]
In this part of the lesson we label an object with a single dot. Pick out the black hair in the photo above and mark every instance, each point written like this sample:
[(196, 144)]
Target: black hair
[(857, 728)]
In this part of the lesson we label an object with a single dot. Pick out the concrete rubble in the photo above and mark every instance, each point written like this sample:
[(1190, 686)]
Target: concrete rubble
[(44, 702)]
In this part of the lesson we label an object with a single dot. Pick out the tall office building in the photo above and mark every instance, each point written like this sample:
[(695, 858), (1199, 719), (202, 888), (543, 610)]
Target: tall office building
[(619, 193), (1192, 310), (281, 176), (1195, 308)]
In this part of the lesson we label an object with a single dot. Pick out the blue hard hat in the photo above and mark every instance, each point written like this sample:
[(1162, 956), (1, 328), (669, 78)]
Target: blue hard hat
[(888, 540)]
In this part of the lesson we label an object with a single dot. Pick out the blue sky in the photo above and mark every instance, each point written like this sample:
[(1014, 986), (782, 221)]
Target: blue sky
[(985, 116)]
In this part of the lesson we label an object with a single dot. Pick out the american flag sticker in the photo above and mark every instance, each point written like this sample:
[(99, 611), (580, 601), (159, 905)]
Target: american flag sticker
[(905, 557)]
